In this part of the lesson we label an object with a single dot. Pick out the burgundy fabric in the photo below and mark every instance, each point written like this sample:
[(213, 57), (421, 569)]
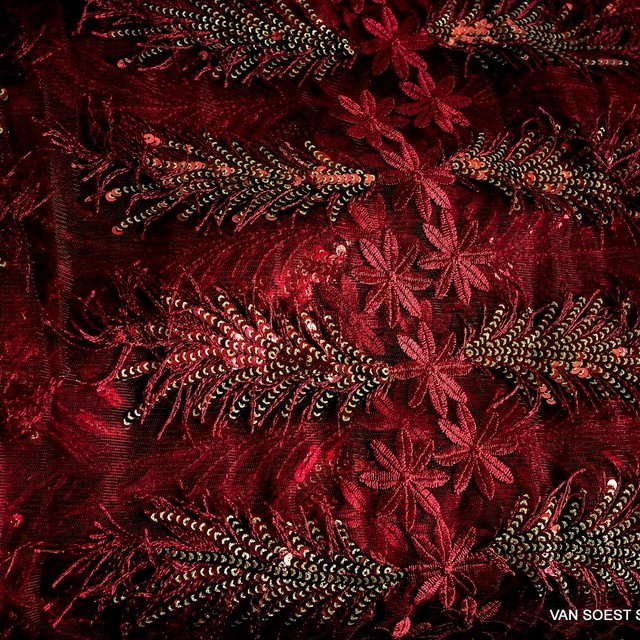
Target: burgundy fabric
[(429, 469)]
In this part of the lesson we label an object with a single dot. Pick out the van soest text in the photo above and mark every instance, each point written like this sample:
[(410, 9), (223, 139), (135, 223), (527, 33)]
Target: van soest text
[(596, 615)]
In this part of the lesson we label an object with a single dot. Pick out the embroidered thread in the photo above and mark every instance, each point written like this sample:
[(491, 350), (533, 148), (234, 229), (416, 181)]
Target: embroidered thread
[(457, 259), (562, 349), (211, 351), (230, 38), (476, 453), (593, 550), (216, 180), (240, 568), (392, 280), (529, 33), (432, 370), (598, 181), (446, 565)]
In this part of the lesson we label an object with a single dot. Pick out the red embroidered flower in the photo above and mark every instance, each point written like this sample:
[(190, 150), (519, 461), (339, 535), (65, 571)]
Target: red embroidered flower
[(370, 119), (405, 476), (394, 44), (434, 102), (455, 259), (418, 178), (391, 277), (476, 454), (433, 371), (446, 565)]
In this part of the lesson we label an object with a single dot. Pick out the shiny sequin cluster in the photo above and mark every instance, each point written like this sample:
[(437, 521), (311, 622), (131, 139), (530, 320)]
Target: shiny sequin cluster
[(530, 33), (263, 572), (598, 550), (298, 280), (215, 352), (547, 170), (562, 349), (232, 39), (218, 180)]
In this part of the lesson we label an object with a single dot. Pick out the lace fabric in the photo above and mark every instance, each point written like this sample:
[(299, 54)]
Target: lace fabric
[(318, 319)]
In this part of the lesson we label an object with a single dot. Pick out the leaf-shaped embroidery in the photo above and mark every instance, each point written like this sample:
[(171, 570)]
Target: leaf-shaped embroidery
[(579, 548), (215, 180), (230, 38), (14, 53), (578, 345), (536, 33), (211, 351), (597, 180), (214, 571), (17, 202)]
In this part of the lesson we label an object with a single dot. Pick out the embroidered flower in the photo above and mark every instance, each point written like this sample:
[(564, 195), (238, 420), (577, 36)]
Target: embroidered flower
[(388, 535), (418, 179), (370, 119), (434, 102), (445, 566), (391, 277), (404, 475), (476, 453), (456, 259), (394, 44), (433, 371)]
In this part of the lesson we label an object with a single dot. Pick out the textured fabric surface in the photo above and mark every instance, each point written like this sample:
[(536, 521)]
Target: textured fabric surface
[(319, 319)]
